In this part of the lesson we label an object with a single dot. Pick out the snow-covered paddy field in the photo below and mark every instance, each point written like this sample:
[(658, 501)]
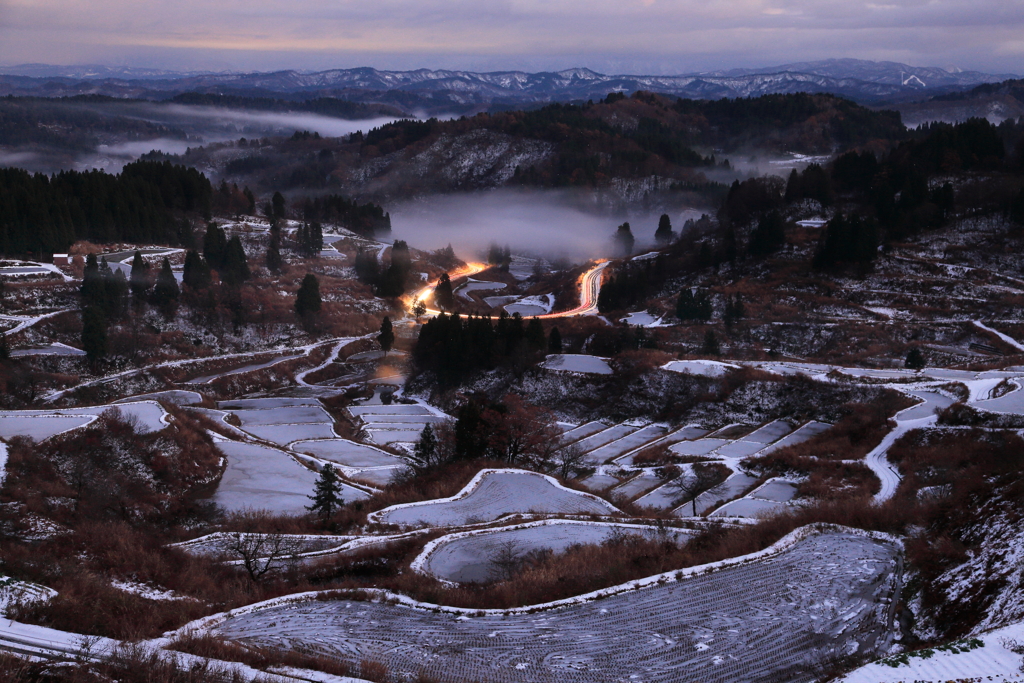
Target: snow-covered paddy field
[(776, 618), (467, 557), (575, 362), (42, 424), (492, 494), (262, 478), (347, 453)]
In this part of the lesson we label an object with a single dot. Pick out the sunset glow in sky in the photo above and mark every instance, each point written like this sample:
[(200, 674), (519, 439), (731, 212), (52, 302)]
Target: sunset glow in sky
[(613, 36)]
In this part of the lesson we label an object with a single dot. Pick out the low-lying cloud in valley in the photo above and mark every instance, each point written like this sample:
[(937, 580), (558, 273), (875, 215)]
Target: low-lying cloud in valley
[(549, 223)]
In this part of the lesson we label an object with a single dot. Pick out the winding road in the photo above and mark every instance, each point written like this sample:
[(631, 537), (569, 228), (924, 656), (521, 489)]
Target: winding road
[(589, 283)]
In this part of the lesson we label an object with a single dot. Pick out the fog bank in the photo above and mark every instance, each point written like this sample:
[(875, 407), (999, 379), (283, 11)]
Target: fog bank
[(548, 223)]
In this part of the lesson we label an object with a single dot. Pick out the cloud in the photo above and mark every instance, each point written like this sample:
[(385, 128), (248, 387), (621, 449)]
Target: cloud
[(523, 219), (662, 35)]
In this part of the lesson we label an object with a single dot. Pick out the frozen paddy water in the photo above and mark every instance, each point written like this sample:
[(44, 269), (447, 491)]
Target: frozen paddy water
[(39, 427), (575, 362), (347, 453), (302, 414), (492, 494), (42, 424), (774, 619), (282, 435), (262, 478), (708, 368), (626, 444), (467, 557)]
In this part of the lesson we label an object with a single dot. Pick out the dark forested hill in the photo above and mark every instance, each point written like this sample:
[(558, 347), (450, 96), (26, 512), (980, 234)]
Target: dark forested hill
[(146, 202)]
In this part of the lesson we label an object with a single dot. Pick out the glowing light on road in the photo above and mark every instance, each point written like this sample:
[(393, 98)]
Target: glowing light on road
[(589, 284)]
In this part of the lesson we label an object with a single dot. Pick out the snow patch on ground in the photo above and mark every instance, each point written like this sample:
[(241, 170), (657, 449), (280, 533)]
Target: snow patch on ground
[(575, 362)]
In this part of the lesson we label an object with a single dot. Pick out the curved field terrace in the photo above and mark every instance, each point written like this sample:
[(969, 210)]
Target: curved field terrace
[(492, 494), (469, 557), (776, 618)]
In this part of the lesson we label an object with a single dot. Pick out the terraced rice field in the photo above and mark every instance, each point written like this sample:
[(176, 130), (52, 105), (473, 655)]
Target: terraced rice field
[(467, 558), (803, 433), (492, 494), (302, 414), (626, 444), (395, 423), (736, 484), (264, 478), (218, 543), (748, 507), (606, 436), (575, 362), (282, 435), (637, 485), (43, 424), (584, 430), (774, 619), (347, 453)]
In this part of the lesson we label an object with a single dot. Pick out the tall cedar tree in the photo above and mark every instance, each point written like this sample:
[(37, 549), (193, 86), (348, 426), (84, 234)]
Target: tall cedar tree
[(711, 346), (443, 295), (555, 341), (426, 448), (535, 335), (326, 493), (94, 334), (692, 306), (215, 246), (140, 280), (307, 300), (236, 268), (769, 235), (393, 279), (386, 338), (196, 275), (274, 260), (624, 239), (165, 294), (277, 205), (663, 234)]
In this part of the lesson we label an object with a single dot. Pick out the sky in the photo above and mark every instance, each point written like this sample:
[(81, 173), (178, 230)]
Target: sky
[(610, 36)]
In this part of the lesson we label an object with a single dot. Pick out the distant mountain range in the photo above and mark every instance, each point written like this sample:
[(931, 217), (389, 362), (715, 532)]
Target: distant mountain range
[(428, 90)]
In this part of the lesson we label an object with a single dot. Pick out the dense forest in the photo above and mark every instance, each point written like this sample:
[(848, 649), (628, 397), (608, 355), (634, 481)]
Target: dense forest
[(147, 202)]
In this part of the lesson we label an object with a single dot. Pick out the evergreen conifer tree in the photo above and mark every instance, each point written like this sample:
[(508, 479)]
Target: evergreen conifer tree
[(166, 292), (92, 283), (663, 234), (215, 246), (386, 338), (535, 335), (274, 260), (443, 295), (555, 341), (307, 300), (915, 359), (94, 334), (236, 267), (711, 346), (197, 273), (426, 448), (140, 280), (624, 239), (277, 205), (326, 493)]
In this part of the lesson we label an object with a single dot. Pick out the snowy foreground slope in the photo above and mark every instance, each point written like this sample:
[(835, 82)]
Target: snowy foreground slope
[(778, 615), (993, 656)]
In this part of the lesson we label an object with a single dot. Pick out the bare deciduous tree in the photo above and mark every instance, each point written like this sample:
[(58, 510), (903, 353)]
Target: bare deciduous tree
[(505, 561), (702, 478), (567, 459), (261, 552)]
